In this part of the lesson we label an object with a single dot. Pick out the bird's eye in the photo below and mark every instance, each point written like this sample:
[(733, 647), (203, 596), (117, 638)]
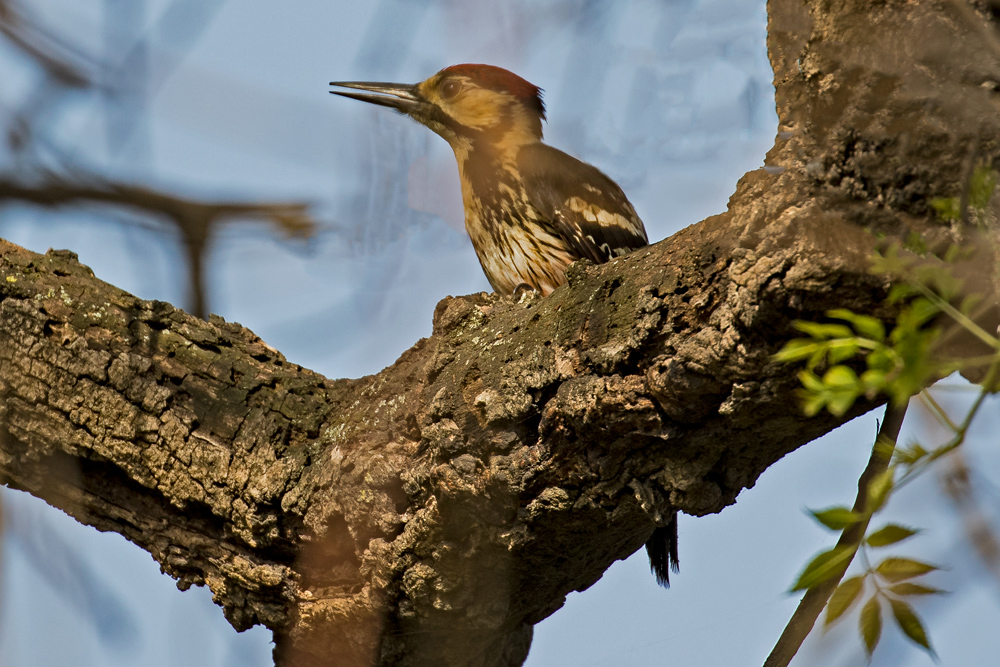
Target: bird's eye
[(450, 89)]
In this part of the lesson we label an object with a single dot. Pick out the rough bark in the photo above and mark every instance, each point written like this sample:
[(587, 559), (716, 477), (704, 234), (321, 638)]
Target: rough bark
[(432, 513)]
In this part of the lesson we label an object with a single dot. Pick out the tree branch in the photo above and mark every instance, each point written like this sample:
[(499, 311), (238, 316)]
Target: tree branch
[(432, 513), (814, 601), (195, 220)]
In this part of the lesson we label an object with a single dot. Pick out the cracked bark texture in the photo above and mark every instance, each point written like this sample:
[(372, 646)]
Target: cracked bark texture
[(432, 513)]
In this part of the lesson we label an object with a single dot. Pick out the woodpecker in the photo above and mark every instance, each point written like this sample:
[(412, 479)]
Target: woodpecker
[(531, 210)]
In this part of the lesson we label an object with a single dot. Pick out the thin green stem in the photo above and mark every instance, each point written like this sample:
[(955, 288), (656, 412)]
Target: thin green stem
[(958, 388), (960, 432), (936, 408), (869, 571), (972, 362), (815, 599), (958, 316)]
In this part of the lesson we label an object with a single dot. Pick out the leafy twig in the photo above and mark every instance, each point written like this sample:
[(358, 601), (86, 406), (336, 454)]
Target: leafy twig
[(816, 598)]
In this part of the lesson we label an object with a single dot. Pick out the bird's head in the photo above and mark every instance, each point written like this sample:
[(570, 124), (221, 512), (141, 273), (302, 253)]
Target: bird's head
[(465, 104)]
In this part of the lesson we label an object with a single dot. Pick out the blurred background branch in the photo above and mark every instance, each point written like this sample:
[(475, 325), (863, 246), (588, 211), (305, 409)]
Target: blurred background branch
[(958, 484), (37, 170)]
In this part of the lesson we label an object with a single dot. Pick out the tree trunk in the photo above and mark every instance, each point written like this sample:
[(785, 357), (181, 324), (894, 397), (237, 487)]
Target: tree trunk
[(432, 513)]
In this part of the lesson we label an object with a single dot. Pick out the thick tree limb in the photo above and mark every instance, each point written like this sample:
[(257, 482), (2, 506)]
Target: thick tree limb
[(432, 513)]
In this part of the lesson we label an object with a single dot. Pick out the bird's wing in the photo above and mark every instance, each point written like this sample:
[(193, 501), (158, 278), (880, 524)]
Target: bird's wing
[(586, 207)]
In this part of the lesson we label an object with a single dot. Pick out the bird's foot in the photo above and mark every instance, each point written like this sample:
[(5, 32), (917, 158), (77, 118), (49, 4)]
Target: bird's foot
[(522, 291)]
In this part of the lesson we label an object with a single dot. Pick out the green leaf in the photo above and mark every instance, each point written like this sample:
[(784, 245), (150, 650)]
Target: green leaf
[(910, 624), (947, 208), (952, 254), (969, 302), (827, 565), (811, 381), (891, 534), (900, 292), (870, 327), (866, 325), (882, 359), (909, 588), (812, 394), (920, 311), (817, 356), (836, 518), (841, 314), (915, 243), (879, 489), (916, 369), (911, 454), (823, 331), (840, 376), (842, 350), (981, 186), (797, 350), (873, 380), (811, 403), (843, 598), (871, 624), (843, 388), (947, 285), (890, 261), (839, 403), (901, 569)]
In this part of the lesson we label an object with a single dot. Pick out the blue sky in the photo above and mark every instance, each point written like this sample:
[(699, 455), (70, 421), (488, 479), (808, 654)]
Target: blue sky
[(671, 99)]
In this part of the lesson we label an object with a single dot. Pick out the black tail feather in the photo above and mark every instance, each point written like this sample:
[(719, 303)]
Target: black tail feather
[(661, 547)]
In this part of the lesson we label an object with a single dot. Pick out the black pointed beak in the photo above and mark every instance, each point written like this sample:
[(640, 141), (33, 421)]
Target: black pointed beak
[(399, 96)]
